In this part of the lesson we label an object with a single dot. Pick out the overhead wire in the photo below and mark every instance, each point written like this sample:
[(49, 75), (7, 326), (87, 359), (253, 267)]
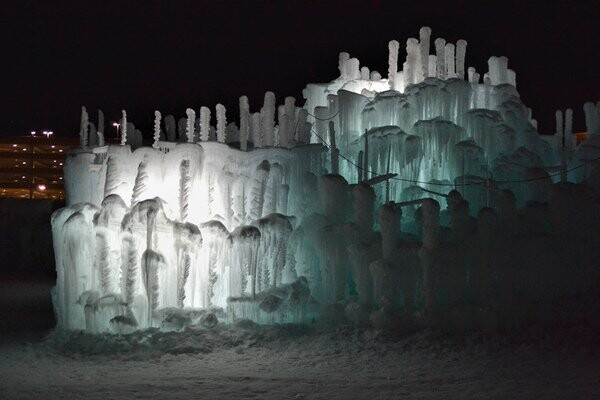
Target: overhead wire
[(416, 181)]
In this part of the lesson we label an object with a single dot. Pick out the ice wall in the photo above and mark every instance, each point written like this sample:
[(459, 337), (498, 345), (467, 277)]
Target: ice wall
[(281, 230)]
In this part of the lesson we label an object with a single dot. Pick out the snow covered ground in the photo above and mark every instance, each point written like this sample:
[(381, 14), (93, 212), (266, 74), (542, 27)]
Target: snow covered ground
[(284, 362)]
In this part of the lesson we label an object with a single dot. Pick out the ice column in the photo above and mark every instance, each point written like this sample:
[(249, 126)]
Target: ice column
[(559, 127), (592, 118), (393, 47), (221, 123), (157, 117), (569, 139), (342, 58), (100, 128), (427, 253), (123, 128), (364, 73), (411, 70), (389, 216), (191, 119), (290, 111), (424, 39), (204, 123), (83, 129), (268, 119), (363, 201), (244, 122), (449, 53), (461, 50), (170, 128), (257, 139), (440, 45)]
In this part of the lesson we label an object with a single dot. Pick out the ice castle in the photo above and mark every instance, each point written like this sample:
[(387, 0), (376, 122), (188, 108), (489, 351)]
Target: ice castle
[(330, 210)]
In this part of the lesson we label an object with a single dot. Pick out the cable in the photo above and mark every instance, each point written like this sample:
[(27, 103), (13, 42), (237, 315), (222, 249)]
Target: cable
[(447, 184), (324, 119)]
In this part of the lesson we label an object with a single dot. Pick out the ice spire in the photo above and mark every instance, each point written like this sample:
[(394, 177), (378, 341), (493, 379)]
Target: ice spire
[(84, 128), (244, 122), (449, 53), (157, 118), (256, 131), (424, 43), (290, 111), (123, 128), (342, 58), (221, 123), (559, 127), (204, 123), (461, 50), (364, 73), (268, 119), (100, 131), (569, 128), (440, 45), (393, 47), (592, 118), (410, 67), (191, 120)]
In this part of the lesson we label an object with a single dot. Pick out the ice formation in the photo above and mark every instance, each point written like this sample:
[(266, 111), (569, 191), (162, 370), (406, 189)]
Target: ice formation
[(282, 227)]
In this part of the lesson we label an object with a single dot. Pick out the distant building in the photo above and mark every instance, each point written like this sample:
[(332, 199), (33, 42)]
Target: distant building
[(31, 167)]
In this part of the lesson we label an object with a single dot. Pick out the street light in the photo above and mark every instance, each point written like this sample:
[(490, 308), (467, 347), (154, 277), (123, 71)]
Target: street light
[(32, 133), (47, 133), (117, 125)]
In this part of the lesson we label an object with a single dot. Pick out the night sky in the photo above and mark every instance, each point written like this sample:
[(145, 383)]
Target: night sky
[(170, 55)]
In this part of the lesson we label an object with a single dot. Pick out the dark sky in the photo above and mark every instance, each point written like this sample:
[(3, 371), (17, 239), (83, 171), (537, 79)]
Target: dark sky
[(169, 55)]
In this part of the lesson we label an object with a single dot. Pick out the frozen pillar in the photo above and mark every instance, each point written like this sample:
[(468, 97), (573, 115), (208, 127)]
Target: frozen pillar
[(204, 123), (461, 50), (393, 47), (424, 39), (268, 119), (440, 46), (428, 251), (389, 217), (244, 122), (449, 53)]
